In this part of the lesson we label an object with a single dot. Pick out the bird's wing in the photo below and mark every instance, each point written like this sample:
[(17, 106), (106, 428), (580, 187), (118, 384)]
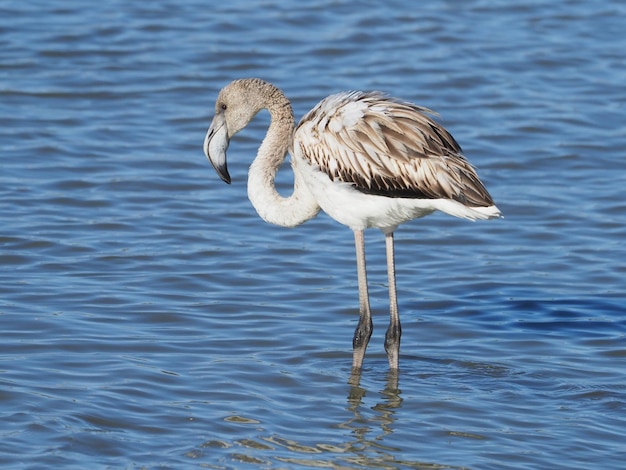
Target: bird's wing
[(389, 147)]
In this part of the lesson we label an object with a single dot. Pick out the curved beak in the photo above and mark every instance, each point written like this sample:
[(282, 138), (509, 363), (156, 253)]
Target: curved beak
[(215, 146)]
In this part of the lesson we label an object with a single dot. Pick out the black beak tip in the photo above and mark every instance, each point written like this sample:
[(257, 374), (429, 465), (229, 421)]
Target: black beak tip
[(222, 171)]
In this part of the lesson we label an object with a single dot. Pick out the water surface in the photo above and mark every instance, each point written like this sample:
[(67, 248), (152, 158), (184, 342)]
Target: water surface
[(150, 319)]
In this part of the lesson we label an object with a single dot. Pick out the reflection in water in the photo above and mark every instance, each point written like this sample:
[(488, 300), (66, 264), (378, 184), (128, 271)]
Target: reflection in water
[(362, 427), (366, 444), (385, 409)]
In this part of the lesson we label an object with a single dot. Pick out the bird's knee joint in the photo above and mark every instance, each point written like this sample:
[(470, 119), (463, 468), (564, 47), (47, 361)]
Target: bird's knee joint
[(362, 334), (392, 337)]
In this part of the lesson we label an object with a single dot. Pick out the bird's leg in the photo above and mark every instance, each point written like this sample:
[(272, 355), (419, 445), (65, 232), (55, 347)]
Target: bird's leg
[(364, 329), (392, 337)]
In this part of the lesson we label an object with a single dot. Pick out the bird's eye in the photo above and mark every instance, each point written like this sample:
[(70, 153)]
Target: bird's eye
[(223, 106)]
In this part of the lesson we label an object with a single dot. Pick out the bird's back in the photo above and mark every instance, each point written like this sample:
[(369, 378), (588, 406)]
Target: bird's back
[(387, 147)]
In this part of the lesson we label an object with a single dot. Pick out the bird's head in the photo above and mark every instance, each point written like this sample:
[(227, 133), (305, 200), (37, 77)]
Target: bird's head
[(236, 105)]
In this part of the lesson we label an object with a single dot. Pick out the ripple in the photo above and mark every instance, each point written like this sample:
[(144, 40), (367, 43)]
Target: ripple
[(151, 318)]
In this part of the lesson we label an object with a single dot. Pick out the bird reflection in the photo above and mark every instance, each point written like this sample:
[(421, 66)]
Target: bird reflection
[(366, 439), (391, 390), (390, 402)]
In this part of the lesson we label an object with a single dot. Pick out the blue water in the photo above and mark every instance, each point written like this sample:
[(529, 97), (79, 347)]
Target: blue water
[(150, 319)]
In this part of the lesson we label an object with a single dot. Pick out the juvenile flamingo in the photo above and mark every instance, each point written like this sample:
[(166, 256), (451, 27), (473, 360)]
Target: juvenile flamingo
[(366, 159)]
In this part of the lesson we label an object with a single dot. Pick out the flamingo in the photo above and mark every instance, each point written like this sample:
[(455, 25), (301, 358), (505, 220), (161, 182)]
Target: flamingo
[(366, 159)]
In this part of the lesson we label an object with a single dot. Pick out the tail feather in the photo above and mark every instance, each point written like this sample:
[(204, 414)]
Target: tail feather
[(457, 209)]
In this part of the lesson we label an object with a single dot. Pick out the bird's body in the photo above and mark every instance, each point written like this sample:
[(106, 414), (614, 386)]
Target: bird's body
[(386, 160), (367, 160)]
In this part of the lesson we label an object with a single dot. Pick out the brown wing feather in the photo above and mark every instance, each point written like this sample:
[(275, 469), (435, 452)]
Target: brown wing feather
[(388, 147)]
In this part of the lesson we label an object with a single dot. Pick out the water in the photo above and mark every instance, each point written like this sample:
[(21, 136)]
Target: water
[(150, 319)]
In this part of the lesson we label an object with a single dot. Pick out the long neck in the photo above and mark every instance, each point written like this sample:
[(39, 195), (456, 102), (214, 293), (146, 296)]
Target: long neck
[(270, 205)]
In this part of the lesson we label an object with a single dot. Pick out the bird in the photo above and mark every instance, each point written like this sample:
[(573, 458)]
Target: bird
[(367, 159)]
